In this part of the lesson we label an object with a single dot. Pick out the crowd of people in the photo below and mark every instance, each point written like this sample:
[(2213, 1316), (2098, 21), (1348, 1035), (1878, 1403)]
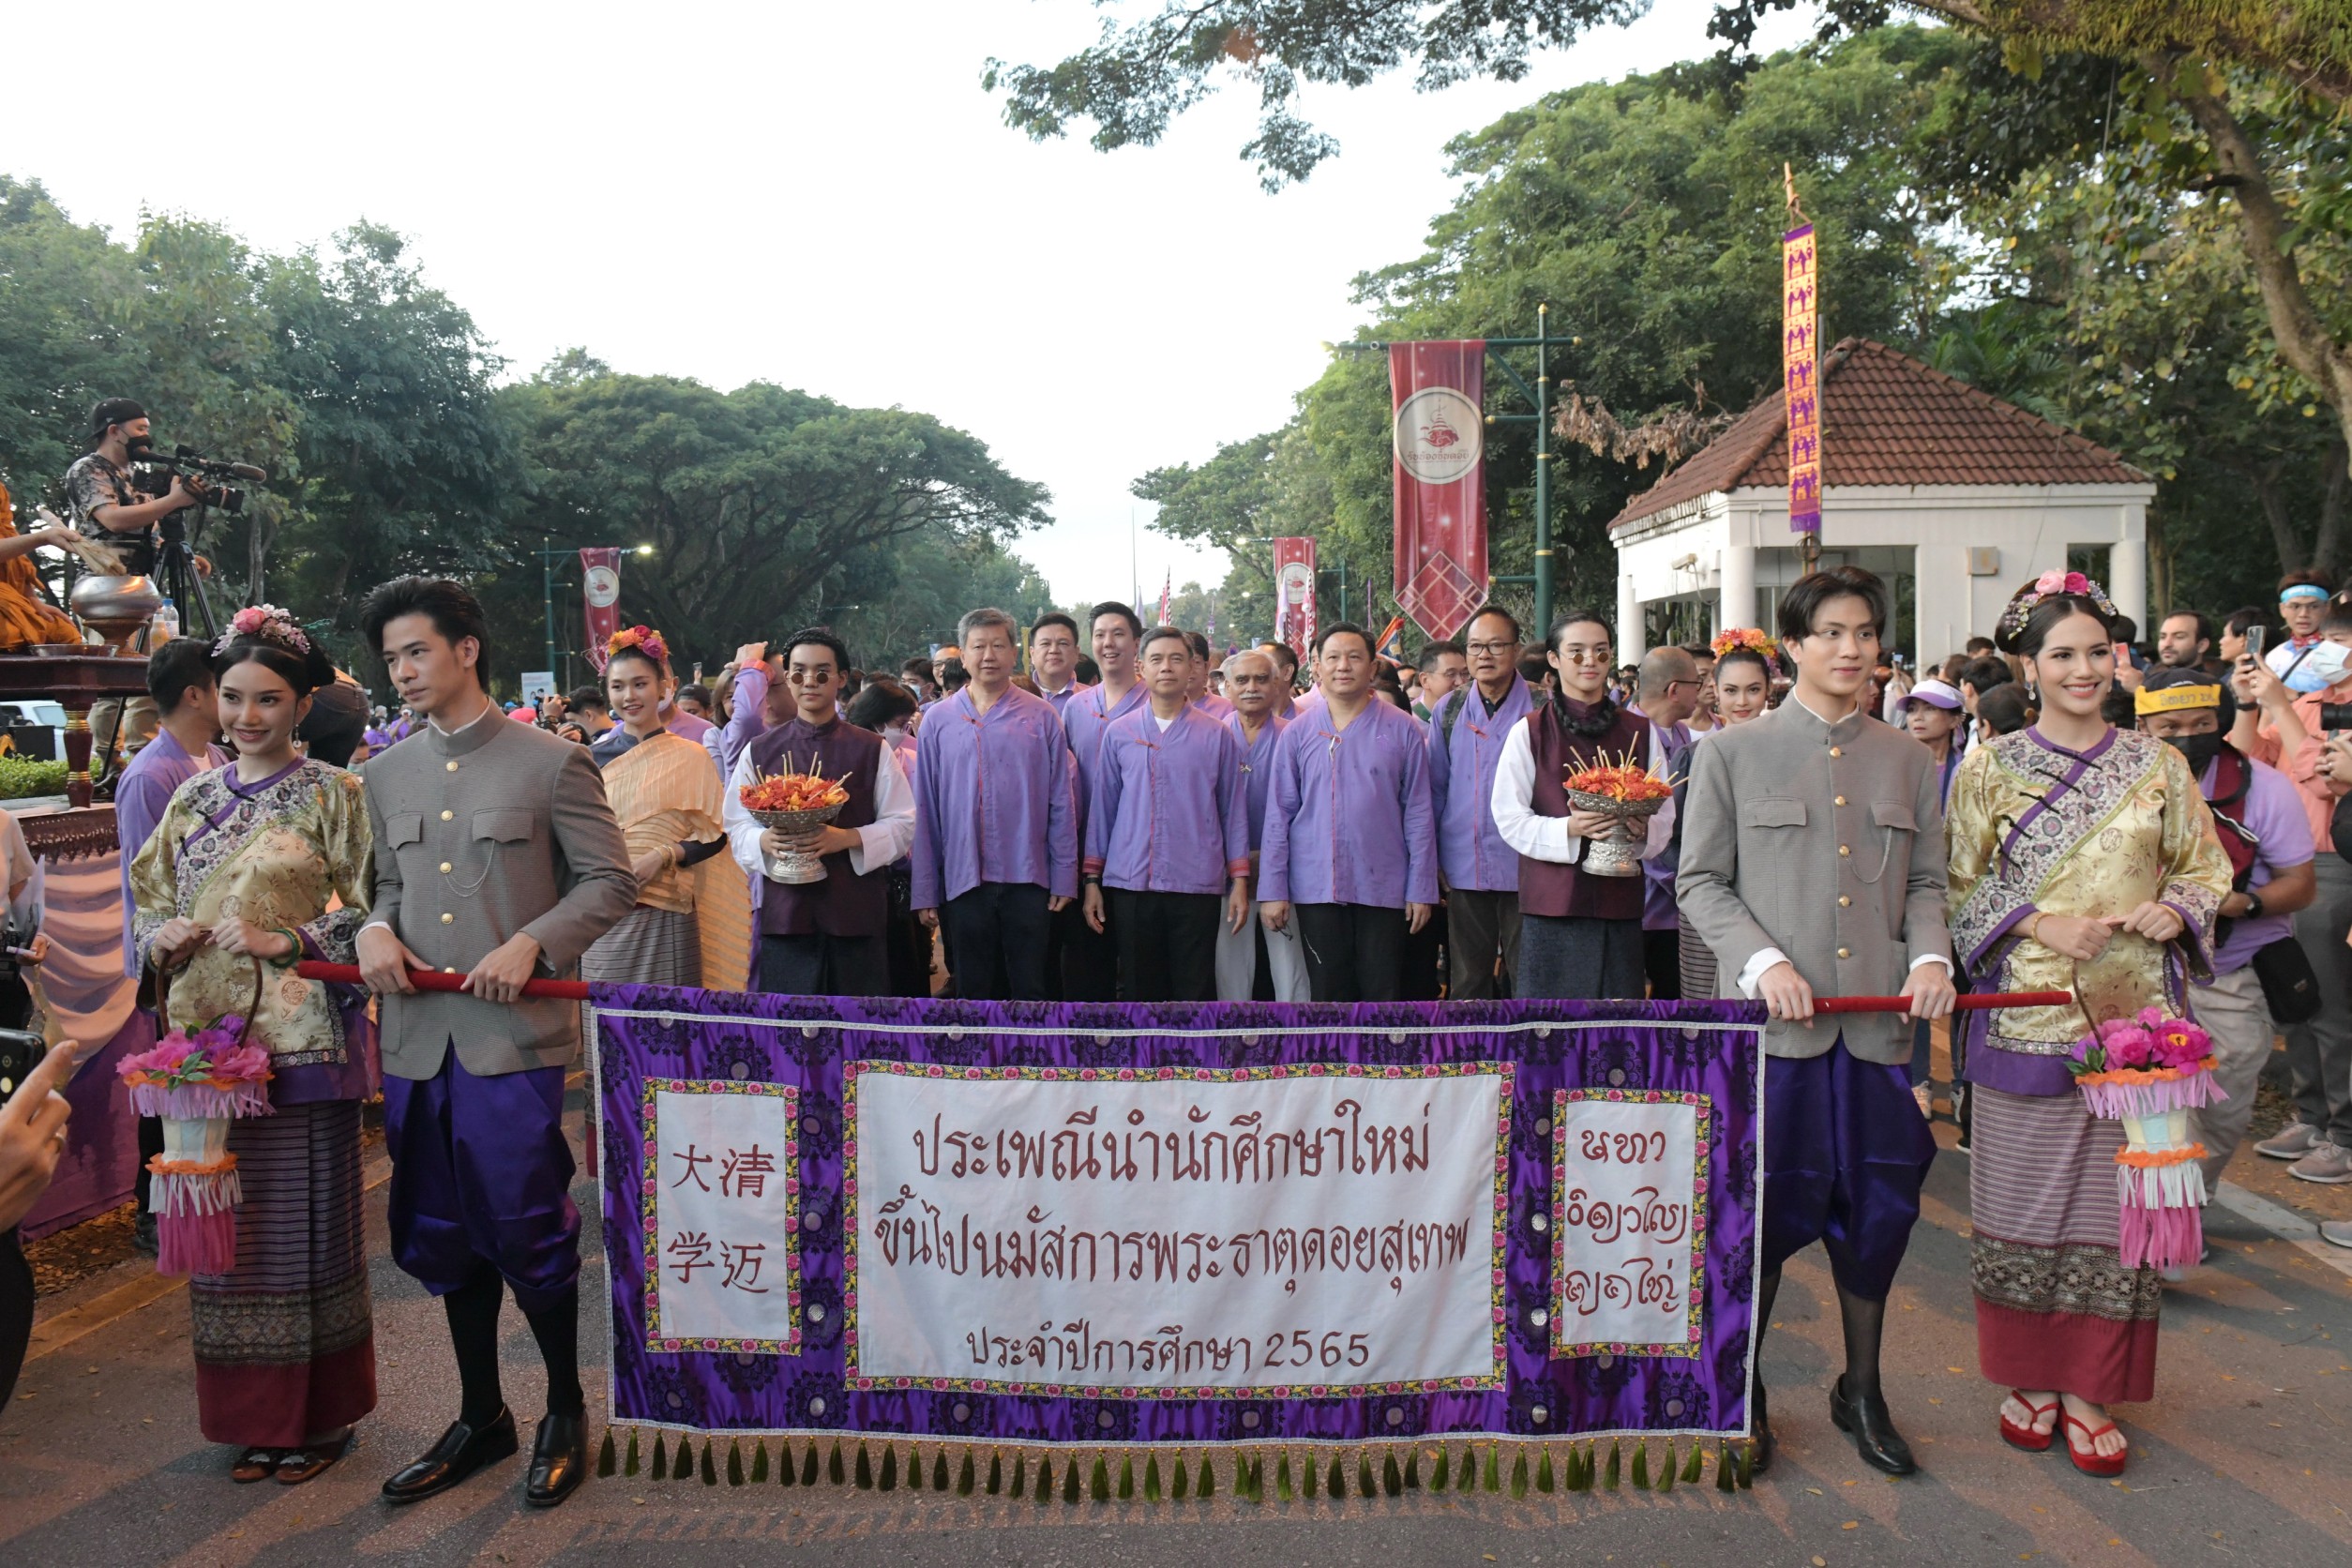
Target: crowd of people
[(1098, 811)]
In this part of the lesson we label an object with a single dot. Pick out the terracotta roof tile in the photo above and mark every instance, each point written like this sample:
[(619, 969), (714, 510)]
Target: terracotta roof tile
[(1888, 419)]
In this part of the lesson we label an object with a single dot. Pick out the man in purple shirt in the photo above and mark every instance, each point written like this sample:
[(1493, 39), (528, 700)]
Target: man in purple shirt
[(1667, 694), (185, 692), (1167, 833), (2258, 815), (1251, 678), (1053, 658), (996, 821), (1467, 731), (757, 674), (1350, 837), (1089, 966), (1196, 689)]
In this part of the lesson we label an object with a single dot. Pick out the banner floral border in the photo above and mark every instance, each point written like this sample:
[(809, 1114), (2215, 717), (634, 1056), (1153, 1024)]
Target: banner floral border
[(1561, 1344), (648, 1211)]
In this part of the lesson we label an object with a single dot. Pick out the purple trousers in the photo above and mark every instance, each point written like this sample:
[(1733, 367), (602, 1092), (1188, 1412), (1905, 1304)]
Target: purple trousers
[(1845, 1152), (481, 1176)]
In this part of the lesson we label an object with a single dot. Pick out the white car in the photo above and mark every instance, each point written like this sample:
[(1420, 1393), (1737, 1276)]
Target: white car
[(37, 711)]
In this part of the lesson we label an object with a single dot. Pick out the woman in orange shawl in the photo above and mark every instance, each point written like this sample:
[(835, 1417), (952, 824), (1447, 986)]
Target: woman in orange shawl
[(26, 619), (692, 923)]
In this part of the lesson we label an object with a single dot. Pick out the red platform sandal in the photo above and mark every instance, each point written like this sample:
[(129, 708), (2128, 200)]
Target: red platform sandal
[(2032, 1439), (2090, 1462)]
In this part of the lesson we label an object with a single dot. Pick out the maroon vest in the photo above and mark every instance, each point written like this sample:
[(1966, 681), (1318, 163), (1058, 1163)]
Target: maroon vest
[(844, 904), (1545, 886)]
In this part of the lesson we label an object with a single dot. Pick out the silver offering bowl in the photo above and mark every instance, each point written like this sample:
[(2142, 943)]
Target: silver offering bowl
[(117, 606)]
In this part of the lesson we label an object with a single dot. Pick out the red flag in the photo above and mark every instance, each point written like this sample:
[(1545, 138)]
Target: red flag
[(1294, 594), (1439, 391), (1166, 582), (600, 598)]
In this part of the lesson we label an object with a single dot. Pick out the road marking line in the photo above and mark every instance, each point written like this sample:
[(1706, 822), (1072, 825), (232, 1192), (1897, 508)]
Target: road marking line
[(2284, 1223)]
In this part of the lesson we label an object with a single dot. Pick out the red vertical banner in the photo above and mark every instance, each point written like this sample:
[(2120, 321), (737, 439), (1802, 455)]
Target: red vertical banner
[(1801, 363), (1439, 392), (600, 599), (1294, 594)]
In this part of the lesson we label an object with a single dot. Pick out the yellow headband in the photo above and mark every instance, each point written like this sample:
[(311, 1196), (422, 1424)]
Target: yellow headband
[(2175, 699)]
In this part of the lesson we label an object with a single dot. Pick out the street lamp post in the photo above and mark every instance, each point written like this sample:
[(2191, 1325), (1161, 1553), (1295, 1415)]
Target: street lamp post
[(548, 555)]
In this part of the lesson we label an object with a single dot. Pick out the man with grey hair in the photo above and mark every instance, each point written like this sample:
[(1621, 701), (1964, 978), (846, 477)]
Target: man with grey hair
[(1668, 696), (1252, 682), (996, 820)]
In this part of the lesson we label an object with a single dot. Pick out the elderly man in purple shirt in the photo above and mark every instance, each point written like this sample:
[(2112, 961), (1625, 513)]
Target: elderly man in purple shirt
[(1053, 659), (2259, 817), (1668, 687), (1167, 833), (996, 821), (1089, 958), (1467, 731), (1253, 681), (1350, 836)]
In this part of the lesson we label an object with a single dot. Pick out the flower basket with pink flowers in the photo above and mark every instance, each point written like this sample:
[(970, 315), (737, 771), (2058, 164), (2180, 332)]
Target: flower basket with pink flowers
[(198, 1083), (2149, 1072)]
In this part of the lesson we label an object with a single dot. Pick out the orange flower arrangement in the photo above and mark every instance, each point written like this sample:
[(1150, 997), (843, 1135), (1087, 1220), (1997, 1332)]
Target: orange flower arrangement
[(793, 791), (1743, 637), (1618, 778)]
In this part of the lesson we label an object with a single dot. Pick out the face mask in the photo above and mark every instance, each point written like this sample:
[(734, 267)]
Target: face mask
[(139, 447), (2320, 668), (2199, 749), (896, 734)]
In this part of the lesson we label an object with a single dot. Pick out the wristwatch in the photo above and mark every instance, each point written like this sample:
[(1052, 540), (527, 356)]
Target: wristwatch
[(2254, 907)]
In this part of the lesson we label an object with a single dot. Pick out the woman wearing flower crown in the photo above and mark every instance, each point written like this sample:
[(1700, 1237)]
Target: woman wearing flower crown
[(692, 923), (2083, 860), (253, 867)]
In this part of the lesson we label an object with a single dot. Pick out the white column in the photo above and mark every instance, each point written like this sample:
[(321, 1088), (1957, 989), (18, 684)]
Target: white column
[(2127, 579), (1631, 640), (1735, 588)]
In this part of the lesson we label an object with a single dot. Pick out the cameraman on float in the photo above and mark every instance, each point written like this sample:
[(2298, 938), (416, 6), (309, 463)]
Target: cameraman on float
[(101, 496)]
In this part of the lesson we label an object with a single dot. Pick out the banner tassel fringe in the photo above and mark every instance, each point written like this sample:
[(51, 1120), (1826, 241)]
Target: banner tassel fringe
[(1365, 1486), (864, 1470), (1609, 1470), (1126, 1476), (1444, 1473), (1100, 1488), (965, 1479), (914, 1468), (1748, 1466), (1020, 1476), (760, 1463), (1207, 1487), (1694, 1467), (1545, 1479), (939, 1470), (1413, 1469), (890, 1467), (629, 1466), (1392, 1477), (710, 1469), (607, 1460), (1180, 1485), (808, 1468), (834, 1471), (996, 1473), (1518, 1474), (1284, 1490), (1665, 1470), (734, 1462), (1070, 1479), (1044, 1493), (1491, 1478), (1150, 1478), (1724, 1481), (659, 1460), (1468, 1482), (1640, 1477)]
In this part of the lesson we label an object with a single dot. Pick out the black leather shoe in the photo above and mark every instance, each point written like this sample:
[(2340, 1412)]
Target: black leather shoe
[(559, 1459), (1872, 1426), (461, 1450), (1761, 1442)]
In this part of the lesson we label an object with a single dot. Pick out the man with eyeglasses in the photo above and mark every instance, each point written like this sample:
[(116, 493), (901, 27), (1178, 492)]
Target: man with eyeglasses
[(1580, 934), (1668, 696), (1468, 729)]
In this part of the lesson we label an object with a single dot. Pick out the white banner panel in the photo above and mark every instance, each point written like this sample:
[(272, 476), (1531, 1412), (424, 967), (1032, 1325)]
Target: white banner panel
[(1629, 1212), (722, 1212), (1176, 1232)]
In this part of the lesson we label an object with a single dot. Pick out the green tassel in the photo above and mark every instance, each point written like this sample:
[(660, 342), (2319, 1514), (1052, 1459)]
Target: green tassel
[(710, 1469), (734, 1461), (1492, 1479), (964, 1479), (1020, 1473), (1444, 1473), (1392, 1478), (890, 1467), (1100, 1488), (996, 1473), (1723, 1481), (808, 1468), (834, 1471), (1413, 1469), (1608, 1471), (1748, 1466), (939, 1470), (607, 1461), (1545, 1480), (1284, 1489), (864, 1470), (1579, 1468), (760, 1462), (914, 1468), (1180, 1484), (1207, 1487), (1258, 1478), (1152, 1479), (1311, 1476), (1338, 1487), (1070, 1481), (1044, 1479), (1469, 1470), (659, 1458), (784, 1466), (1126, 1476), (1666, 1469), (1365, 1486), (629, 1466), (1695, 1466), (1518, 1474), (1242, 1489), (1642, 1465)]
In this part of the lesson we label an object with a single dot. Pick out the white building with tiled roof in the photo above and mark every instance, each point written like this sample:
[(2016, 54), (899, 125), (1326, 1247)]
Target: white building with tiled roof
[(1950, 493)]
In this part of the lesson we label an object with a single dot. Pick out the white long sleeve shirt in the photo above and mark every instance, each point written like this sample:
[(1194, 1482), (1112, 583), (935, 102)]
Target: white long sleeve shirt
[(886, 838)]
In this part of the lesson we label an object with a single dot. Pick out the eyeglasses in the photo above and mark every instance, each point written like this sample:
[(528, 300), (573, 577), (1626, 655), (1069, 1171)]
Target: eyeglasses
[(1477, 648), (1596, 654)]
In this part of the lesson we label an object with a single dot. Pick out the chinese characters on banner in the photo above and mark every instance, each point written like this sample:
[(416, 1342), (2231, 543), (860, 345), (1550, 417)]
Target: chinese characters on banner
[(1801, 363), (1629, 1221), (1294, 594), (722, 1205), (1439, 390), (600, 599), (1185, 1233)]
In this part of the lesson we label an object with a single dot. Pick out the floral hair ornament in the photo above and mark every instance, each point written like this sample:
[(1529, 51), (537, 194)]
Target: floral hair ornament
[(2048, 584), (1733, 639), (264, 622), (645, 640)]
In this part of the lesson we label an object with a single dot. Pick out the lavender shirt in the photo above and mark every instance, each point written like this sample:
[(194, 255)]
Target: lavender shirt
[(1085, 720), (1462, 760), (995, 799), (159, 768), (745, 724), (1350, 818), (1060, 699), (1658, 912), (1256, 768), (1169, 813), (2272, 811)]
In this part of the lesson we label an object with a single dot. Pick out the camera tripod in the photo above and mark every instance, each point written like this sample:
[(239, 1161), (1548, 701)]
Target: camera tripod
[(175, 573)]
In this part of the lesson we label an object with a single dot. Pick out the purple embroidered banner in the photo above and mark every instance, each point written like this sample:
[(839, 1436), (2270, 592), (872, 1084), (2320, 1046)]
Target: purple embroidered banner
[(1036, 1222)]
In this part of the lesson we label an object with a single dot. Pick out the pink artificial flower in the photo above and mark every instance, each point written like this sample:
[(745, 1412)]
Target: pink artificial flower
[(2130, 1046), (2077, 584), (2182, 1045), (2050, 582)]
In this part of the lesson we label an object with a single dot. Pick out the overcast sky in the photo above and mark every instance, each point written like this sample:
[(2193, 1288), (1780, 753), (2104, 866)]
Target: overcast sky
[(820, 196)]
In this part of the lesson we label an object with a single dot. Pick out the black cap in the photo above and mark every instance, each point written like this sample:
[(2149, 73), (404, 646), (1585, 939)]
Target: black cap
[(113, 411)]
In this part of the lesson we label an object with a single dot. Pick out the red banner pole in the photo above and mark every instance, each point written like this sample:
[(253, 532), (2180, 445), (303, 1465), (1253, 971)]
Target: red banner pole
[(433, 980)]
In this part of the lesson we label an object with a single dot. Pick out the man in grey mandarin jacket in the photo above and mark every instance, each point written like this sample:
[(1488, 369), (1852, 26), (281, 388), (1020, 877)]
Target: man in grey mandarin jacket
[(1812, 862), (498, 858)]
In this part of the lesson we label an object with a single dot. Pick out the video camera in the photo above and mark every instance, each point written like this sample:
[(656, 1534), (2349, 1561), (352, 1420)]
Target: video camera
[(152, 475)]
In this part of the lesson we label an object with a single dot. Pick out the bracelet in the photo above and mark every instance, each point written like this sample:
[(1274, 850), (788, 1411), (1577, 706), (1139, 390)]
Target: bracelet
[(2034, 925), (294, 947)]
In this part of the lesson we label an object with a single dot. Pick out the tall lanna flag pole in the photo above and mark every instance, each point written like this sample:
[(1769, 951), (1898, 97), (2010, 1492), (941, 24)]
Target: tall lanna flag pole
[(1801, 363)]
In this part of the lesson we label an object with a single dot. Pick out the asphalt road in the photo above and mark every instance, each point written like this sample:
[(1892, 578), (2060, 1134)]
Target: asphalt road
[(2241, 1458)]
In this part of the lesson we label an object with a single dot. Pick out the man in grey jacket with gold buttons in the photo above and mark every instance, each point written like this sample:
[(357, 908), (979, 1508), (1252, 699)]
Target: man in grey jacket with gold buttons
[(1813, 864), (498, 858)]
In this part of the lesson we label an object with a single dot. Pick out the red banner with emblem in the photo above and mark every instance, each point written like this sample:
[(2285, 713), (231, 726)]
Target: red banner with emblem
[(1439, 391), (600, 599), (1294, 594)]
